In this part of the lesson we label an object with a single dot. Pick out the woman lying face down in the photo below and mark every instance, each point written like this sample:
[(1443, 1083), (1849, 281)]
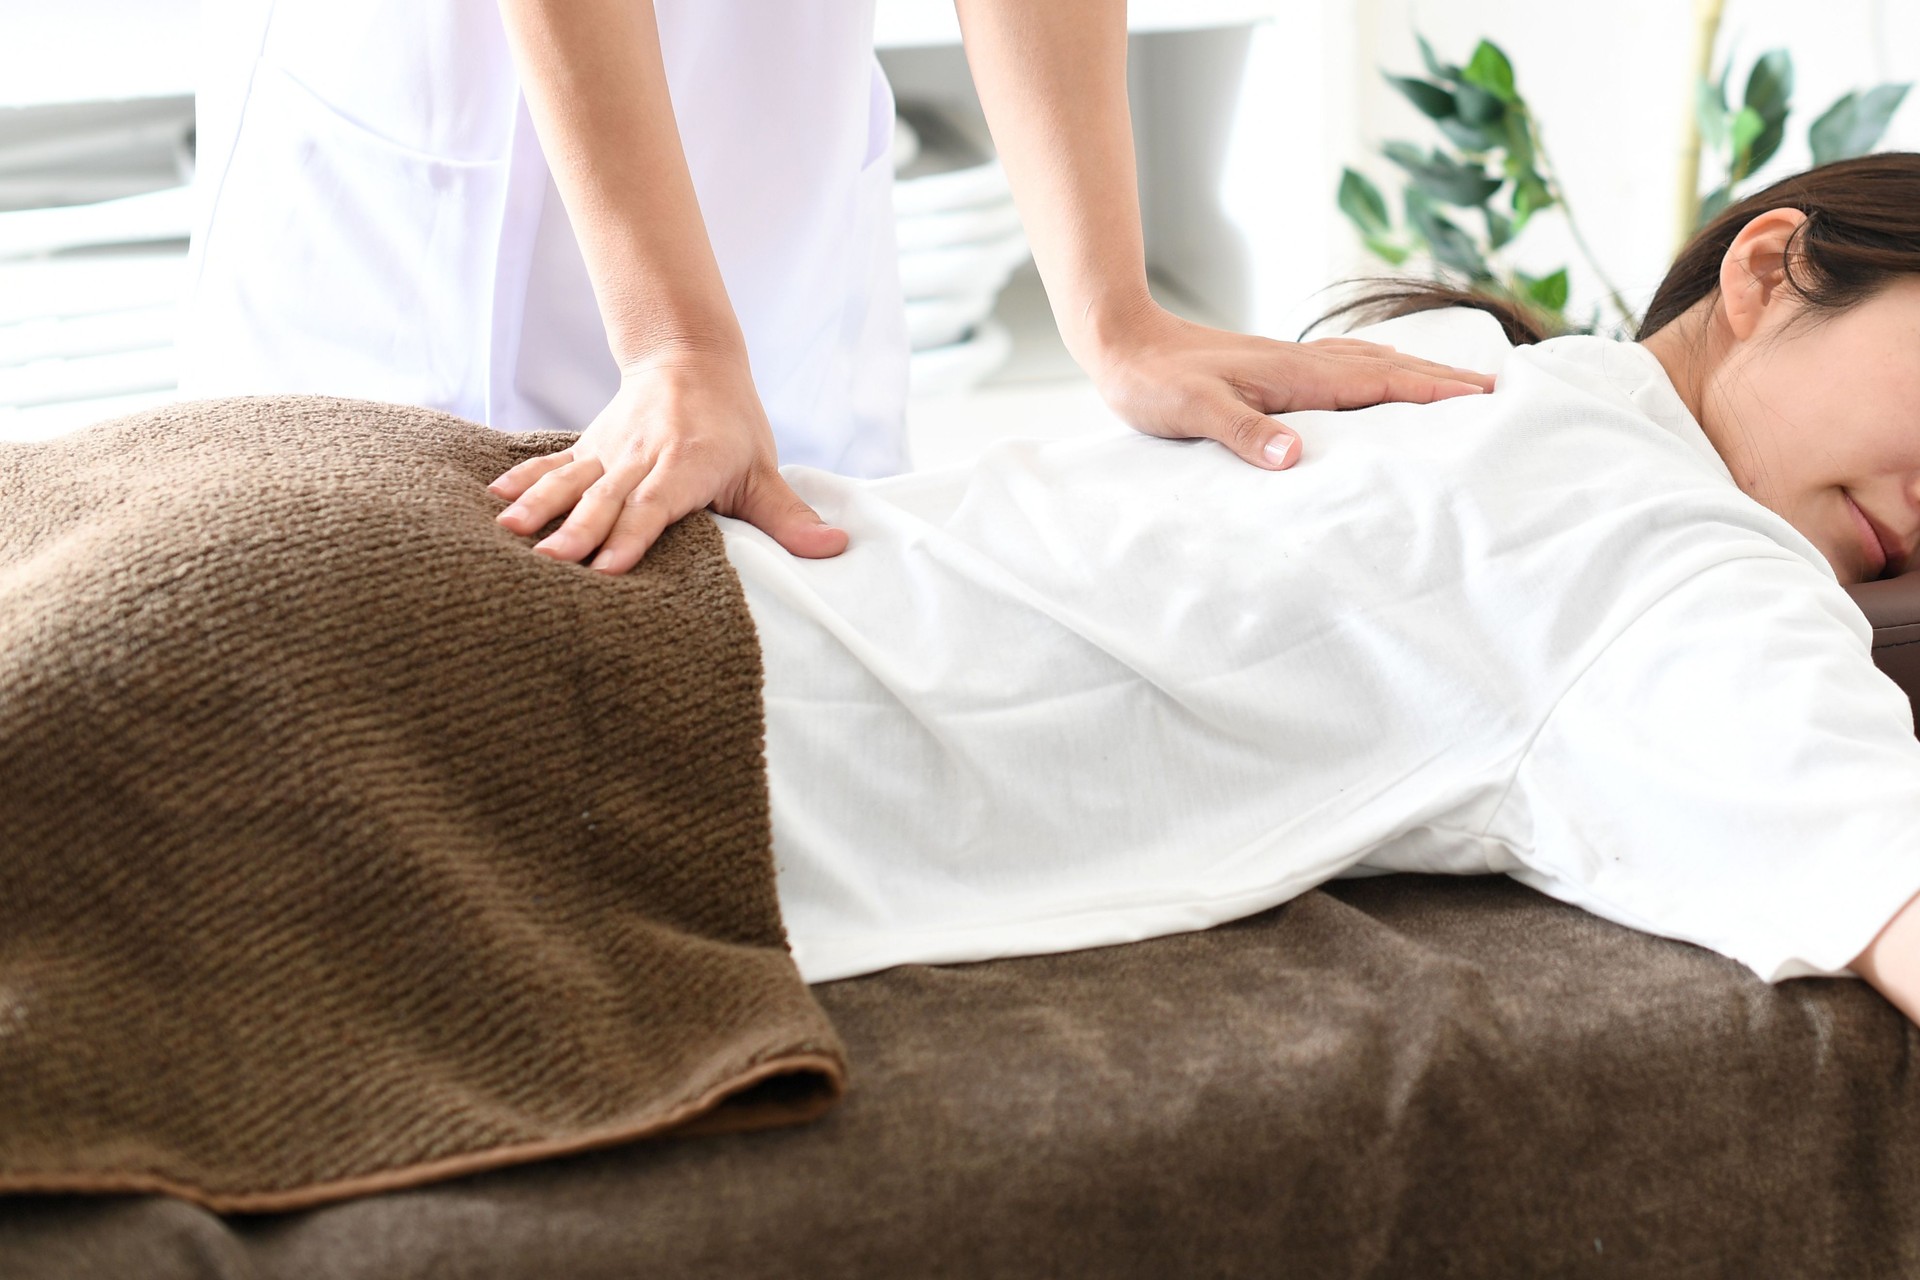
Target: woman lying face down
[(1804, 370), (1809, 388), (1588, 631)]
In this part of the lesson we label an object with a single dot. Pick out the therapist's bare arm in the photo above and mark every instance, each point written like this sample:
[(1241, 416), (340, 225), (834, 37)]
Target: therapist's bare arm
[(686, 429), (1891, 961), (1052, 77)]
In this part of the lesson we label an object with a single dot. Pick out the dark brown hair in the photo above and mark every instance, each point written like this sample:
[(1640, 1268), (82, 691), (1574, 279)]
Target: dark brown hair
[(1862, 232)]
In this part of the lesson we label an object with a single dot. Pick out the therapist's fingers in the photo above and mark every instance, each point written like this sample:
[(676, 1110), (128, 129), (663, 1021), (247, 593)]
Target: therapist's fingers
[(551, 495), (596, 516), (514, 481), (766, 501), (1351, 357), (668, 492), (1352, 380), (1353, 343), (762, 498), (1248, 432)]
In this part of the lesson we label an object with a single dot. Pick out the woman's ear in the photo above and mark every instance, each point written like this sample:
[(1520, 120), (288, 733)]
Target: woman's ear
[(1753, 275)]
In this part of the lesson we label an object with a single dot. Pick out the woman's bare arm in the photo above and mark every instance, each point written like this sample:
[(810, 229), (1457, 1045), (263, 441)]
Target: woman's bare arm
[(1891, 961)]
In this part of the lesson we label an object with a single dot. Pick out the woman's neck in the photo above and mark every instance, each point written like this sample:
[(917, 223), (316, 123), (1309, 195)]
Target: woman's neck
[(1685, 348)]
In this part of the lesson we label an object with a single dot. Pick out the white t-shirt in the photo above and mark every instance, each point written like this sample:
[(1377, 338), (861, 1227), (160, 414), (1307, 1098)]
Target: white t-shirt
[(1107, 689)]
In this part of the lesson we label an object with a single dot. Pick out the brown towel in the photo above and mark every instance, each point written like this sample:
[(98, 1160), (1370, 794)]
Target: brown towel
[(345, 843)]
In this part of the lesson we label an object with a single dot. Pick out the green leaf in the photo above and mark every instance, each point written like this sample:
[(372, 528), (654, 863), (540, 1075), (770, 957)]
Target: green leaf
[(1434, 101), (1520, 149), (1530, 195), (1854, 125), (1490, 69), (1404, 154), (1770, 85), (1547, 292), (1746, 129), (1451, 246), (1386, 250), (1710, 109), (1440, 70), (1827, 137), (1360, 200), (1767, 143), (1476, 106), (1470, 138), (1499, 230), (1467, 188), (1445, 179)]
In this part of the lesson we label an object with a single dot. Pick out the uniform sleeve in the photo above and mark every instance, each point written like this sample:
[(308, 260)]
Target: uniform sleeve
[(1733, 771)]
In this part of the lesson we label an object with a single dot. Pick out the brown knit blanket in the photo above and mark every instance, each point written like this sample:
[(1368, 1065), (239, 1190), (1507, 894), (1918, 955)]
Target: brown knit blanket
[(345, 843)]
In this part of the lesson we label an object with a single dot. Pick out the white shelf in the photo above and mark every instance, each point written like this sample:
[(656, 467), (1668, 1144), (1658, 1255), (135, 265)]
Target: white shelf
[(922, 24), (148, 48), (97, 51)]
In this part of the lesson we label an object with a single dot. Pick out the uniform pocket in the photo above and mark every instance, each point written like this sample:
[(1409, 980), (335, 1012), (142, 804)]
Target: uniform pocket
[(880, 112), (434, 77), (340, 262)]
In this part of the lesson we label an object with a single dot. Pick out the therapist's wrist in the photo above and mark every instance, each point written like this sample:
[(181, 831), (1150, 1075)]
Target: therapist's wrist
[(1109, 332), (680, 348)]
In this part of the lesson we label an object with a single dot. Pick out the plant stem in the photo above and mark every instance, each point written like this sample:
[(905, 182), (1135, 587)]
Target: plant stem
[(1706, 33), (1552, 175)]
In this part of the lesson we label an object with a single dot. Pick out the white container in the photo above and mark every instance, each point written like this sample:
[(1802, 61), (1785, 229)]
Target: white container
[(952, 369), (963, 269), (936, 322), (957, 226), (944, 190)]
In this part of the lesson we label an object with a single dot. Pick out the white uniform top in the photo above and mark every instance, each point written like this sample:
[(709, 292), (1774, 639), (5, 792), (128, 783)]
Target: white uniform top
[(1101, 690), (377, 218)]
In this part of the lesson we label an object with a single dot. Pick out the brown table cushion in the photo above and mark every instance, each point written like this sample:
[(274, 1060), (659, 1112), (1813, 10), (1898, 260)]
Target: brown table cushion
[(1403, 1076), (345, 844)]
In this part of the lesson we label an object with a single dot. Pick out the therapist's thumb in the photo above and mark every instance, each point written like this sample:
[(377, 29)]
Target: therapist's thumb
[(768, 503), (1253, 435)]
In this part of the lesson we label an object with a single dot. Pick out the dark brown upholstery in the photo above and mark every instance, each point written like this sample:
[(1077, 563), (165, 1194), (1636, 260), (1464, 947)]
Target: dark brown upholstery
[(1406, 1076), (1397, 1077)]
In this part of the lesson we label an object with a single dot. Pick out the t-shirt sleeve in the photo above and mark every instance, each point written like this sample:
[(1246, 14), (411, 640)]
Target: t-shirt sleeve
[(1731, 770)]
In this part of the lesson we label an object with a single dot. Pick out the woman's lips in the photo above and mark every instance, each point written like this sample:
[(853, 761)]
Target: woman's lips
[(1869, 539)]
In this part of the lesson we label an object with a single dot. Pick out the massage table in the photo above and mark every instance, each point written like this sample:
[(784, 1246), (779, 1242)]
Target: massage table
[(1419, 1076)]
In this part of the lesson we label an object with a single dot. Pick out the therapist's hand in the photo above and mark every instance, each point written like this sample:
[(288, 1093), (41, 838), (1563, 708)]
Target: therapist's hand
[(1170, 377), (685, 431)]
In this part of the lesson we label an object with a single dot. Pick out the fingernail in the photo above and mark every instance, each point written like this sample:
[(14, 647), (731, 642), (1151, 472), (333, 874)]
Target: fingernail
[(1276, 450), (515, 511)]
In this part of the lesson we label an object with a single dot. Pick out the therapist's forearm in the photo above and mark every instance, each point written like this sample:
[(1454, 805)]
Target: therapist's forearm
[(1052, 78), (597, 90)]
